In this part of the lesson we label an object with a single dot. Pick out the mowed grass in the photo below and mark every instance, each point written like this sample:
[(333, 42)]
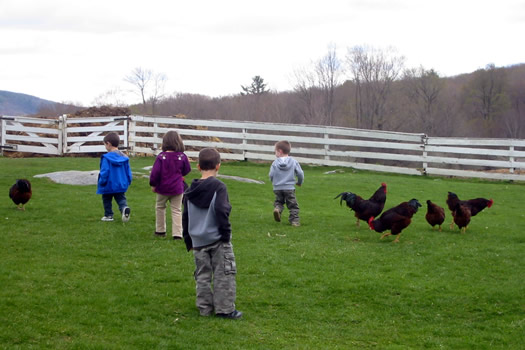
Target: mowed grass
[(70, 281)]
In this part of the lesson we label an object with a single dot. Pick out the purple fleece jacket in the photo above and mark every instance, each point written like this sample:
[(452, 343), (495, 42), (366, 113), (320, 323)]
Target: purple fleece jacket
[(168, 171)]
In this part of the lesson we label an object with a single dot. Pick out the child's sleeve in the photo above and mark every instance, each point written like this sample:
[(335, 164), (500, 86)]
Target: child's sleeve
[(185, 228), (299, 173), (186, 166), (222, 213), (104, 172), (155, 173)]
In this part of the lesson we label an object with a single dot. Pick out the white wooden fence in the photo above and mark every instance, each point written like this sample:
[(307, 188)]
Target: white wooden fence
[(405, 153)]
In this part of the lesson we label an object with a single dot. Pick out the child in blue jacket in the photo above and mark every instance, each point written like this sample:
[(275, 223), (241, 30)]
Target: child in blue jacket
[(114, 178)]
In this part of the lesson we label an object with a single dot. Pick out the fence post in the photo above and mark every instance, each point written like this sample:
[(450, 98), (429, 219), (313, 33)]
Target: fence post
[(131, 134), (126, 132), (2, 136), (244, 143), (326, 147), (511, 158), (424, 142), (64, 134), (60, 143), (155, 134)]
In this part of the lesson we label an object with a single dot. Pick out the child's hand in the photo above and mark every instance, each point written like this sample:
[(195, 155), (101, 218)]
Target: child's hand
[(298, 184), (152, 189)]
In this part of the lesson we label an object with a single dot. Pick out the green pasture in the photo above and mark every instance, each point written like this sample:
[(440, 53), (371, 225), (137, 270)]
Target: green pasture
[(70, 281)]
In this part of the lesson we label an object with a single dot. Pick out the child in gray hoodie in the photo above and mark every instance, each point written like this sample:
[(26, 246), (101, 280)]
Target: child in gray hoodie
[(207, 231), (283, 172)]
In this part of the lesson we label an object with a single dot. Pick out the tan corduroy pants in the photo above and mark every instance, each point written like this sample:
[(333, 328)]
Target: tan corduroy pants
[(176, 214)]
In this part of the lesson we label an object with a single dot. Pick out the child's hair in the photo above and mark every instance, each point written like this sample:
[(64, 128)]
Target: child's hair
[(209, 158), (112, 138), (172, 142), (283, 146)]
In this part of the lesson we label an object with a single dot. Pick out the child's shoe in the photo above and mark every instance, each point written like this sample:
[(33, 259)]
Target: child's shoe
[(277, 214), (107, 218), (296, 224), (235, 314), (125, 214), (160, 234)]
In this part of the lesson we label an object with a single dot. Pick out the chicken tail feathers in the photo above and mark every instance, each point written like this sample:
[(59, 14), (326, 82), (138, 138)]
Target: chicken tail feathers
[(348, 197)]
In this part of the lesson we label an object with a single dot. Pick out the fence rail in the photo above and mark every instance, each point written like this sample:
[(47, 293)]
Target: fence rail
[(405, 153)]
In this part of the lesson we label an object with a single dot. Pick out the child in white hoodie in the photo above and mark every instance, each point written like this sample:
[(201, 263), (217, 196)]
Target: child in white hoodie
[(283, 172)]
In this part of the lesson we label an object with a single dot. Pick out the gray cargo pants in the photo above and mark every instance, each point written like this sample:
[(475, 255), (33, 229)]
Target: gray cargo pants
[(215, 271), (288, 197)]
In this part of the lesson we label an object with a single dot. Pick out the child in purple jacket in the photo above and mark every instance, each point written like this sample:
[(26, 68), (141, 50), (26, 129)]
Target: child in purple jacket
[(166, 179)]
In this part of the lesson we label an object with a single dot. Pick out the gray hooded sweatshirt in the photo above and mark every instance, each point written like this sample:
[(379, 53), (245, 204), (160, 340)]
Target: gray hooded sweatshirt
[(283, 172)]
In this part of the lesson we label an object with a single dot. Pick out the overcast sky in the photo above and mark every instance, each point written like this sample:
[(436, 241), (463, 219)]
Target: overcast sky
[(74, 51)]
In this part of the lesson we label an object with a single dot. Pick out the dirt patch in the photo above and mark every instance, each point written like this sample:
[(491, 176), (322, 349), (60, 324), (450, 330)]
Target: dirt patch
[(84, 178), (73, 177)]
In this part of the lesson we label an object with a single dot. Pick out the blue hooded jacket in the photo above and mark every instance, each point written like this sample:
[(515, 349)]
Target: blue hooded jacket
[(115, 173)]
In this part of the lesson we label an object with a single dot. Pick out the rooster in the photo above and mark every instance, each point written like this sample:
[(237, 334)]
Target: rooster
[(461, 216), (365, 209), (474, 205), (395, 219), (435, 215), (20, 193)]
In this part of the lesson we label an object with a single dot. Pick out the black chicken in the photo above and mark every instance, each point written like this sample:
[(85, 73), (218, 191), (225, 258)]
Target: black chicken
[(395, 219), (365, 209), (20, 193), (474, 205)]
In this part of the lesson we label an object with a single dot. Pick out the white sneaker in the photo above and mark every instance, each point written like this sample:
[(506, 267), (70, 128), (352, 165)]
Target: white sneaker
[(125, 214), (107, 218)]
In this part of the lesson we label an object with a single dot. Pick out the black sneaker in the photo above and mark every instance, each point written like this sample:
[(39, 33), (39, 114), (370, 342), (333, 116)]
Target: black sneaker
[(125, 214), (160, 234), (234, 315)]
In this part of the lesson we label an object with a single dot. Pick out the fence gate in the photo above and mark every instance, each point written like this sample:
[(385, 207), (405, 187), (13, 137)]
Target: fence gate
[(85, 135), (34, 135)]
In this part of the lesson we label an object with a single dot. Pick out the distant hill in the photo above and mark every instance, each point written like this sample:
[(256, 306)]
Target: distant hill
[(16, 104)]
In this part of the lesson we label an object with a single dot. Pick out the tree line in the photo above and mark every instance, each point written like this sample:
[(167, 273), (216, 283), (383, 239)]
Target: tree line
[(368, 88)]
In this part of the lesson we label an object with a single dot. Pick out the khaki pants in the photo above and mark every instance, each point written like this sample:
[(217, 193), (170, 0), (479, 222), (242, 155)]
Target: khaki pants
[(215, 271), (176, 214)]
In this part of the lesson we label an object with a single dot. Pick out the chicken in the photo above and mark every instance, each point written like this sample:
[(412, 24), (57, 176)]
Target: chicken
[(474, 205), (365, 209), (435, 215), (461, 216), (395, 219), (20, 193)]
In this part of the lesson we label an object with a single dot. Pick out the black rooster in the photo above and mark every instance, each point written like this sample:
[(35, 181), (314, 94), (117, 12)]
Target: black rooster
[(395, 219), (365, 209), (20, 193)]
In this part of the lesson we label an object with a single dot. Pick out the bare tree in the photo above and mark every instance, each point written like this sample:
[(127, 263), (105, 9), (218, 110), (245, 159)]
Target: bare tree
[(140, 78), (514, 118), (316, 88), (486, 92), (423, 88), (157, 91), (113, 98), (373, 71), (307, 92), (329, 70)]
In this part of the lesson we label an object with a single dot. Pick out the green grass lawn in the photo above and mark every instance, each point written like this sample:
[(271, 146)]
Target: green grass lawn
[(70, 281)]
